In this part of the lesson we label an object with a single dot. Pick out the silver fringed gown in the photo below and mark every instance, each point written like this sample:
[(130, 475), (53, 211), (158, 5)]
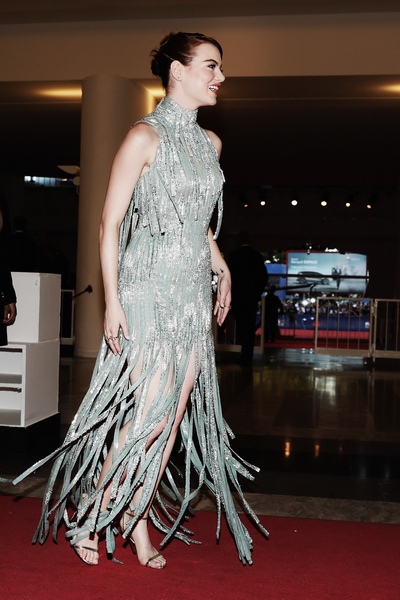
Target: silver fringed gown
[(165, 290)]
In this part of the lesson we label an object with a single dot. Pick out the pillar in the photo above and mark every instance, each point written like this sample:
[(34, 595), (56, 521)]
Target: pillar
[(110, 105)]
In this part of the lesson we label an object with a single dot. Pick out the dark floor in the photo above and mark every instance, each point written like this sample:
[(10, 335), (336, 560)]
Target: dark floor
[(321, 429), (317, 425)]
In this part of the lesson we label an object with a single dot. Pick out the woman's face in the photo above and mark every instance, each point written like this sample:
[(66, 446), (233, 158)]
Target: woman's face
[(200, 80)]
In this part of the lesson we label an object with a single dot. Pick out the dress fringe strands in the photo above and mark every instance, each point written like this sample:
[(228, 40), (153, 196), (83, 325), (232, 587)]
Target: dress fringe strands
[(165, 291)]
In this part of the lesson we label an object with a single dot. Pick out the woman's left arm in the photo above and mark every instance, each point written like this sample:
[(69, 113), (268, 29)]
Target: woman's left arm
[(218, 264), (220, 268)]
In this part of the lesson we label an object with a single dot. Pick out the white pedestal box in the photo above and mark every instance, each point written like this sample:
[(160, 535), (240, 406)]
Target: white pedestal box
[(29, 366), (38, 307), (28, 383)]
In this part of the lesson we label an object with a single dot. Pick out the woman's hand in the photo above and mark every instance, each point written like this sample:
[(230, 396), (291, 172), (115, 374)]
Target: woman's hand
[(224, 297), (114, 323)]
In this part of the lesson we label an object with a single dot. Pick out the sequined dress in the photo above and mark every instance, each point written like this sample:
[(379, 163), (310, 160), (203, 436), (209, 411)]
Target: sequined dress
[(165, 289)]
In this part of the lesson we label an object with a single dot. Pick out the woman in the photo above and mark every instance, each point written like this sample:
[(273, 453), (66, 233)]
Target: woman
[(157, 252)]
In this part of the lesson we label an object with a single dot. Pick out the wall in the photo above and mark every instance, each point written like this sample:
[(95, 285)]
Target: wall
[(254, 46)]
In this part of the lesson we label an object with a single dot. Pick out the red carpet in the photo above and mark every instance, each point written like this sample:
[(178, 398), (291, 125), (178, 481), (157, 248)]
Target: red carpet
[(305, 559)]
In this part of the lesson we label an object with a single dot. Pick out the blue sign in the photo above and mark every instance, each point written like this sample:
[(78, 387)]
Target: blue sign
[(327, 272)]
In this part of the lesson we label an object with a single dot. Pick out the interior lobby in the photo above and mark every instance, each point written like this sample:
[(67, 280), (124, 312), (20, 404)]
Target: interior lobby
[(311, 106)]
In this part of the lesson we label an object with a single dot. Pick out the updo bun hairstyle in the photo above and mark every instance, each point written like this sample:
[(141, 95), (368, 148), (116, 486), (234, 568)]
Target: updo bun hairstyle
[(177, 46)]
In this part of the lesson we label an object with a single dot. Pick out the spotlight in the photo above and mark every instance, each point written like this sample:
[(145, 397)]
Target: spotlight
[(243, 200), (372, 200), (293, 201), (325, 198), (262, 194)]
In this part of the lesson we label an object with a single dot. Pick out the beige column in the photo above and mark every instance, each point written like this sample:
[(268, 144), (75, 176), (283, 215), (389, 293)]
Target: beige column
[(110, 105), (396, 263)]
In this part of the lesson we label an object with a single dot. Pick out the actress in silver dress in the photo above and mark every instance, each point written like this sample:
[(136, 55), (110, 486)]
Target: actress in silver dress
[(155, 372)]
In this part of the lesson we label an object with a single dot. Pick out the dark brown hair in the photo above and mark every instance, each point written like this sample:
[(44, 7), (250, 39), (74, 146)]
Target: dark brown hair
[(177, 46)]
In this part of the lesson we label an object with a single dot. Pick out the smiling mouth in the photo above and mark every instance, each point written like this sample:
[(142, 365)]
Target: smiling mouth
[(214, 88)]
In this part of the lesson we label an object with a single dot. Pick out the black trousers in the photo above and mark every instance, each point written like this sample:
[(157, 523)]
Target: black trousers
[(245, 316), (3, 328), (271, 328)]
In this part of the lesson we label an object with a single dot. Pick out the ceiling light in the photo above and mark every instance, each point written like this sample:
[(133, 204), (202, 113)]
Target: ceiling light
[(394, 88), (325, 198), (373, 198), (62, 93)]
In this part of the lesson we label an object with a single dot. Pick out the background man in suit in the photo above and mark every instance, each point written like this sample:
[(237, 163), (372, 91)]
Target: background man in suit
[(249, 278), (8, 309)]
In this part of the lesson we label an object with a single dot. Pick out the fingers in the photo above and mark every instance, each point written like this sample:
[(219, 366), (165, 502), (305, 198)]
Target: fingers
[(115, 326), (113, 341), (221, 311), (10, 312), (223, 303), (125, 331)]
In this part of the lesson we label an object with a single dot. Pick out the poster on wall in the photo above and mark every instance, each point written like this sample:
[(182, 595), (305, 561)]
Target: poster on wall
[(327, 272)]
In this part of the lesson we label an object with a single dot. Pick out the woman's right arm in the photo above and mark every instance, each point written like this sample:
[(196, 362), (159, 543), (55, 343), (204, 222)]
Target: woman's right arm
[(133, 158)]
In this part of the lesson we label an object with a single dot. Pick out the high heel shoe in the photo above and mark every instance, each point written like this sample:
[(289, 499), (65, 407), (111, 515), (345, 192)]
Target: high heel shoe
[(77, 548), (133, 545)]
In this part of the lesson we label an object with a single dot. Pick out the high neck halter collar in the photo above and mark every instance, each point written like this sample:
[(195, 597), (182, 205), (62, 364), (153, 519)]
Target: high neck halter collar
[(176, 114)]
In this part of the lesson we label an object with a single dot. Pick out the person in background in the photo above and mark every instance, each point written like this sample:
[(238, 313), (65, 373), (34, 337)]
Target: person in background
[(8, 308), (249, 278), (291, 312), (273, 308)]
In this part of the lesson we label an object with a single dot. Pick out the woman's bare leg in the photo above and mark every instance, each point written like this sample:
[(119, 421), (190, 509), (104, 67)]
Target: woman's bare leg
[(88, 547), (140, 534)]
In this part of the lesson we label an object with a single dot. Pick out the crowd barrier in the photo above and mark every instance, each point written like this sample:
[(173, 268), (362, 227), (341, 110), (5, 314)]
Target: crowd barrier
[(345, 326)]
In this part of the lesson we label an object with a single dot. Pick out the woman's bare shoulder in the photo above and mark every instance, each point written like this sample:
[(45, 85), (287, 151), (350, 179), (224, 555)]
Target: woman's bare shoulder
[(140, 141), (142, 134)]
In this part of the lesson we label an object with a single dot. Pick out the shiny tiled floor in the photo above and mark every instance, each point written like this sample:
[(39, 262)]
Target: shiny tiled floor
[(325, 432)]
